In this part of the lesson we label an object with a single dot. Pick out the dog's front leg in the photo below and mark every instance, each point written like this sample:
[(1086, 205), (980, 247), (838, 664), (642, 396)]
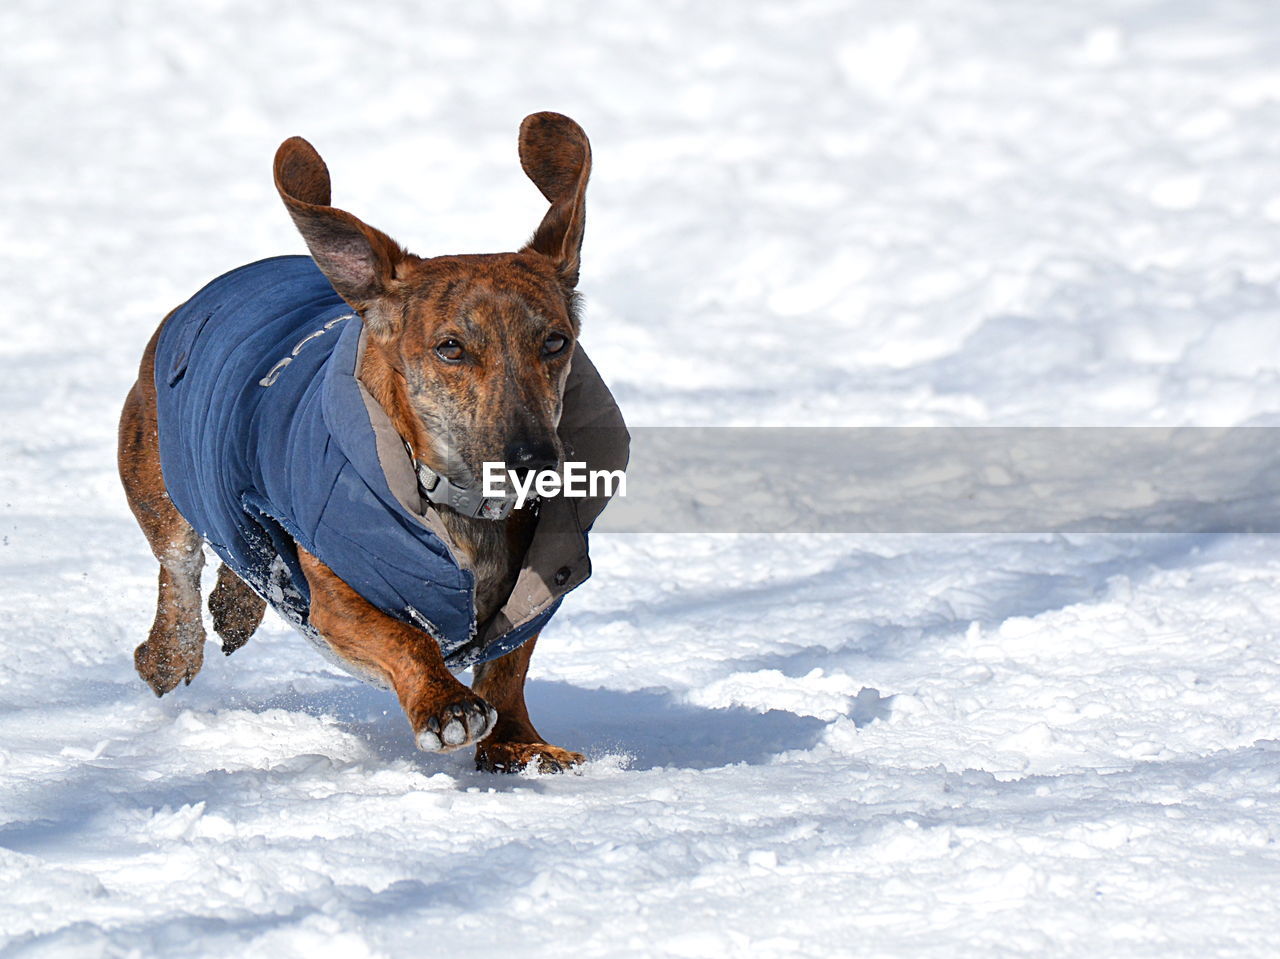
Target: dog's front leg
[(444, 714), (514, 743)]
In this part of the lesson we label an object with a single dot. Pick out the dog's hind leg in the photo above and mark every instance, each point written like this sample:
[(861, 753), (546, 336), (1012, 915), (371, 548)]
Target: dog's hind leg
[(174, 651), (514, 743), (237, 610)]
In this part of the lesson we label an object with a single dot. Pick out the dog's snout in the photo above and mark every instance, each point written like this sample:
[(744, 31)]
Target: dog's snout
[(531, 456)]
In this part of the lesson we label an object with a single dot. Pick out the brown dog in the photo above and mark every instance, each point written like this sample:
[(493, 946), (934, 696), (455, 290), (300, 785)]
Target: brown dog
[(467, 359)]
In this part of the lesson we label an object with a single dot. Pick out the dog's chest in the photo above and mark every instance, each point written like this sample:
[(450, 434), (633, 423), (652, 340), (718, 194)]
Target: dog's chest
[(495, 551)]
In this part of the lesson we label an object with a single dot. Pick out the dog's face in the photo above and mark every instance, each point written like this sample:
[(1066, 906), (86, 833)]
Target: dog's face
[(481, 343), (484, 344)]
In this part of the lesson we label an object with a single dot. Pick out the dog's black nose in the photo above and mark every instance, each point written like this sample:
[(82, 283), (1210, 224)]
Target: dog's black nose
[(526, 455)]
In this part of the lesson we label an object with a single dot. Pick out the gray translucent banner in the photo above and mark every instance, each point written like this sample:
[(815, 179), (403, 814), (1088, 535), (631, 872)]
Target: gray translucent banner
[(949, 480)]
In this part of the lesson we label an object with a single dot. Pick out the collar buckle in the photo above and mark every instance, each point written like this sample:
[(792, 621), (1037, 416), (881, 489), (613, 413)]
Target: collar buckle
[(439, 490)]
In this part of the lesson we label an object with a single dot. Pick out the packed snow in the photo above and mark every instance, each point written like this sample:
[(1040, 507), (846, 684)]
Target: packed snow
[(821, 213)]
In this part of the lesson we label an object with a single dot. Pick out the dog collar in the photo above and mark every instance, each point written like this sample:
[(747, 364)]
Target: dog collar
[(467, 500)]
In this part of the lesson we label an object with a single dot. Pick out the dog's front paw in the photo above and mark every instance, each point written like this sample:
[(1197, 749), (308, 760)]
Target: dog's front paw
[(463, 722), (513, 757)]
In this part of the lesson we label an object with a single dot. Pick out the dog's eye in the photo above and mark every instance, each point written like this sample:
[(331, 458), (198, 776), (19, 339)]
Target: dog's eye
[(449, 350), (553, 344)]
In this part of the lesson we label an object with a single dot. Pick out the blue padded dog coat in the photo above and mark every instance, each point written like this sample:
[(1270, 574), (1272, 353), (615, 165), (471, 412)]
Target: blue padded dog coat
[(268, 439)]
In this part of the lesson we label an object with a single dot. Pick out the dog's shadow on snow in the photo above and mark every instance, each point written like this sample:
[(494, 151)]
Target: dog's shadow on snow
[(653, 728), (644, 729)]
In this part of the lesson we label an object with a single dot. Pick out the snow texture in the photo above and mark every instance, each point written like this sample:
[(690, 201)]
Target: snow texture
[(824, 212)]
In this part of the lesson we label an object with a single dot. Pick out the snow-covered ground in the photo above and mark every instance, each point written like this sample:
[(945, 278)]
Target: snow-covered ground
[(824, 212)]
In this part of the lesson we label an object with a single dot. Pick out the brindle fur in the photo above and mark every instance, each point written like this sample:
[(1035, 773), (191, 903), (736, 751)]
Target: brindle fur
[(504, 395)]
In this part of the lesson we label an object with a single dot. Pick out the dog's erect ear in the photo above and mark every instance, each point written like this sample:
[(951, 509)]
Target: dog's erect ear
[(556, 155), (358, 260)]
